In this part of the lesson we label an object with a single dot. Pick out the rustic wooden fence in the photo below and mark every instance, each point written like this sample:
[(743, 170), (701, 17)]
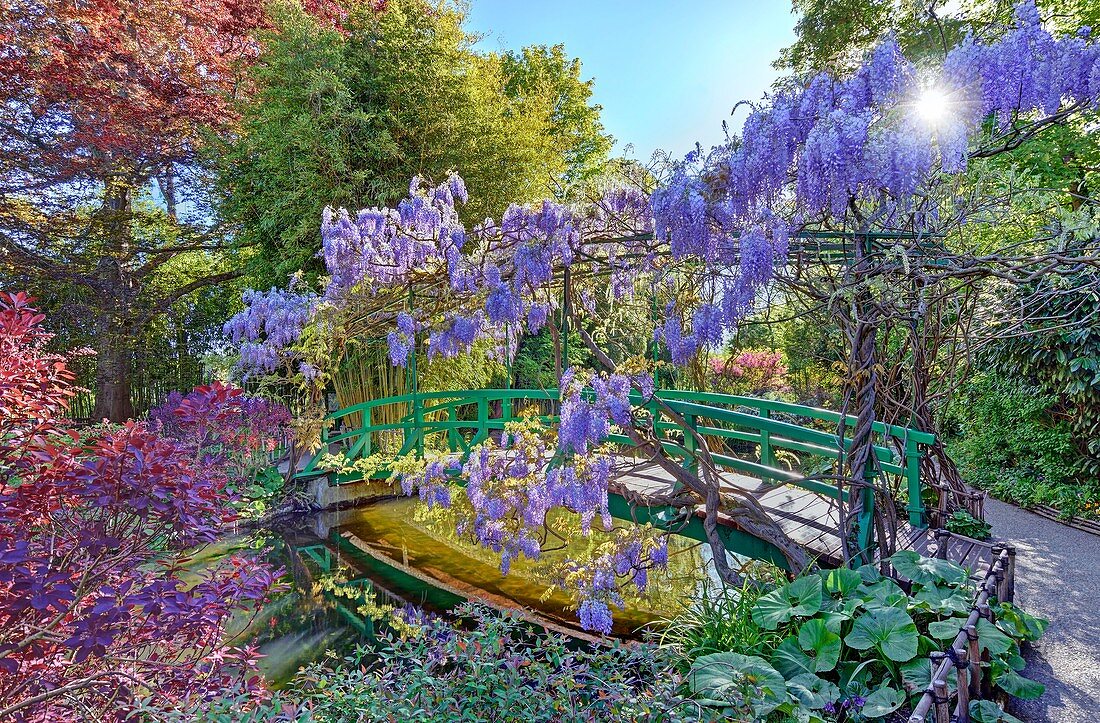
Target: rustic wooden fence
[(947, 705)]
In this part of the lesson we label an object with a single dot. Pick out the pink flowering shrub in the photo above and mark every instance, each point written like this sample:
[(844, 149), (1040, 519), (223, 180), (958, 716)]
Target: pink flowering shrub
[(97, 606), (751, 372)]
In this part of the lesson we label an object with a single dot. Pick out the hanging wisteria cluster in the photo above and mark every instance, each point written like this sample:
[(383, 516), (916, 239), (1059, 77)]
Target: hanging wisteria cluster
[(817, 154), (271, 322), (511, 494), (706, 243)]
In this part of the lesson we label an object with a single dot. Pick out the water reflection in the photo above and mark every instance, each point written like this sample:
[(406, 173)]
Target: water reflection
[(352, 570)]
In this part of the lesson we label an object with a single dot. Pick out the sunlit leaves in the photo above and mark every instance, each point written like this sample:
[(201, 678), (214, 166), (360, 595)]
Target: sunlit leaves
[(889, 631), (801, 598)]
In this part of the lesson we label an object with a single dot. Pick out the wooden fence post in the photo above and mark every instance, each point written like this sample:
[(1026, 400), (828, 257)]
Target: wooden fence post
[(974, 656), (998, 571), (942, 711), (963, 688)]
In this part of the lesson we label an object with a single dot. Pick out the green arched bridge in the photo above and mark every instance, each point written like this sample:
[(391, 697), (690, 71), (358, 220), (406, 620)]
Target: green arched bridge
[(766, 447)]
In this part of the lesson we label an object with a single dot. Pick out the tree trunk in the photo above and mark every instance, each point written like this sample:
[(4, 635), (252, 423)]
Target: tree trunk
[(117, 292), (113, 373)]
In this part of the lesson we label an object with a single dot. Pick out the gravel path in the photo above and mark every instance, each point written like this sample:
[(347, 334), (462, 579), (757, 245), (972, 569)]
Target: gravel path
[(1058, 578)]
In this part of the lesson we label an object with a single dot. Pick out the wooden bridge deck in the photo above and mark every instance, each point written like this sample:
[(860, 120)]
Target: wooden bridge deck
[(808, 518)]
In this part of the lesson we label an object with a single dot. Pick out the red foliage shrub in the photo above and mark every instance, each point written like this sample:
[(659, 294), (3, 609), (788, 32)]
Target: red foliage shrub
[(96, 603)]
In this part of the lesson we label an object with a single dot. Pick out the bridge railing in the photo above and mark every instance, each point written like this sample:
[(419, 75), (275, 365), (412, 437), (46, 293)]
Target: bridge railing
[(466, 418)]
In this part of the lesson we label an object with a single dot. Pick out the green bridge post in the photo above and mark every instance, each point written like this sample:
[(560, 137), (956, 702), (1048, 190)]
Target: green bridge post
[(767, 457), (912, 475)]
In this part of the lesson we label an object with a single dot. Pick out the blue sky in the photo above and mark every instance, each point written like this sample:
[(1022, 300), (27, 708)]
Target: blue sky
[(667, 73)]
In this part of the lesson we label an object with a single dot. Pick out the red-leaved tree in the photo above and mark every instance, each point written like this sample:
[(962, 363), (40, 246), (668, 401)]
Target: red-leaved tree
[(97, 606), (105, 107)]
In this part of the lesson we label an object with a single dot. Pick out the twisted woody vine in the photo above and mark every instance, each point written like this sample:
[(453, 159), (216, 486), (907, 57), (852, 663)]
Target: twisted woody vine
[(861, 160)]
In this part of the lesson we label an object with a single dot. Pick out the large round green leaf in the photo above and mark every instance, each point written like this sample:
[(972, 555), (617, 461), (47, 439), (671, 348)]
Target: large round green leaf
[(946, 629), (992, 639), (986, 711), (822, 644), (1018, 686), (883, 594), (917, 675), (943, 599), (813, 692), (927, 570), (801, 598), (790, 660), (889, 630), (840, 581), (883, 701), (732, 678)]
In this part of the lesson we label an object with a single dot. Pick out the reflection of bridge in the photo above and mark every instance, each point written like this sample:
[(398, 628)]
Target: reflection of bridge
[(755, 443), (366, 578)]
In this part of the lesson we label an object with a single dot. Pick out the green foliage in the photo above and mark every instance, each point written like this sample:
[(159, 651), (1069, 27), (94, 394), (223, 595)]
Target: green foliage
[(1006, 441), (488, 666), (346, 118), (986, 711), (848, 643), (740, 684), (962, 522), (533, 366), (800, 598), (1060, 356), (720, 619)]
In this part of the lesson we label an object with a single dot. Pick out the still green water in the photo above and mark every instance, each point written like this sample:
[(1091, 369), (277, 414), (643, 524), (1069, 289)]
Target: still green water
[(348, 571)]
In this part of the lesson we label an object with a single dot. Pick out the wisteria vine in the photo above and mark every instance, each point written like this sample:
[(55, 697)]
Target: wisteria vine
[(823, 154)]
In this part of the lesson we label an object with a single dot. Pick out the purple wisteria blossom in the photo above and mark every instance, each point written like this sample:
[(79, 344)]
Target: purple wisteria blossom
[(271, 322)]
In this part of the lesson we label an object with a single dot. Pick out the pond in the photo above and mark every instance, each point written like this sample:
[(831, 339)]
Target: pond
[(349, 572)]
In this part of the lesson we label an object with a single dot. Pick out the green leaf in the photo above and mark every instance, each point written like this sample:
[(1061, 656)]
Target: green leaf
[(927, 570), (815, 637), (869, 574), (945, 629), (917, 674), (1015, 662), (801, 598), (841, 581), (943, 599), (992, 639), (812, 691), (986, 711), (791, 661), (834, 619), (1026, 627), (1017, 685), (884, 594), (732, 677), (882, 702), (889, 630)]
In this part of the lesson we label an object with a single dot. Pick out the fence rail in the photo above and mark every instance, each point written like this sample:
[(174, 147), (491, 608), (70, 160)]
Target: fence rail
[(964, 653)]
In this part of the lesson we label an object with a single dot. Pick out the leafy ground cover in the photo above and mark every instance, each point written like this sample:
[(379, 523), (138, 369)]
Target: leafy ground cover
[(845, 645), (828, 647)]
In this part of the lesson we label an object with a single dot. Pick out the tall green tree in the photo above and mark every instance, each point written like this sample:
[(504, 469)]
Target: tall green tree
[(345, 118)]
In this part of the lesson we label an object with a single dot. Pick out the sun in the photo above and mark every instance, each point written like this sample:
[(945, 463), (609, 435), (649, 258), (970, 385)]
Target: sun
[(932, 105)]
